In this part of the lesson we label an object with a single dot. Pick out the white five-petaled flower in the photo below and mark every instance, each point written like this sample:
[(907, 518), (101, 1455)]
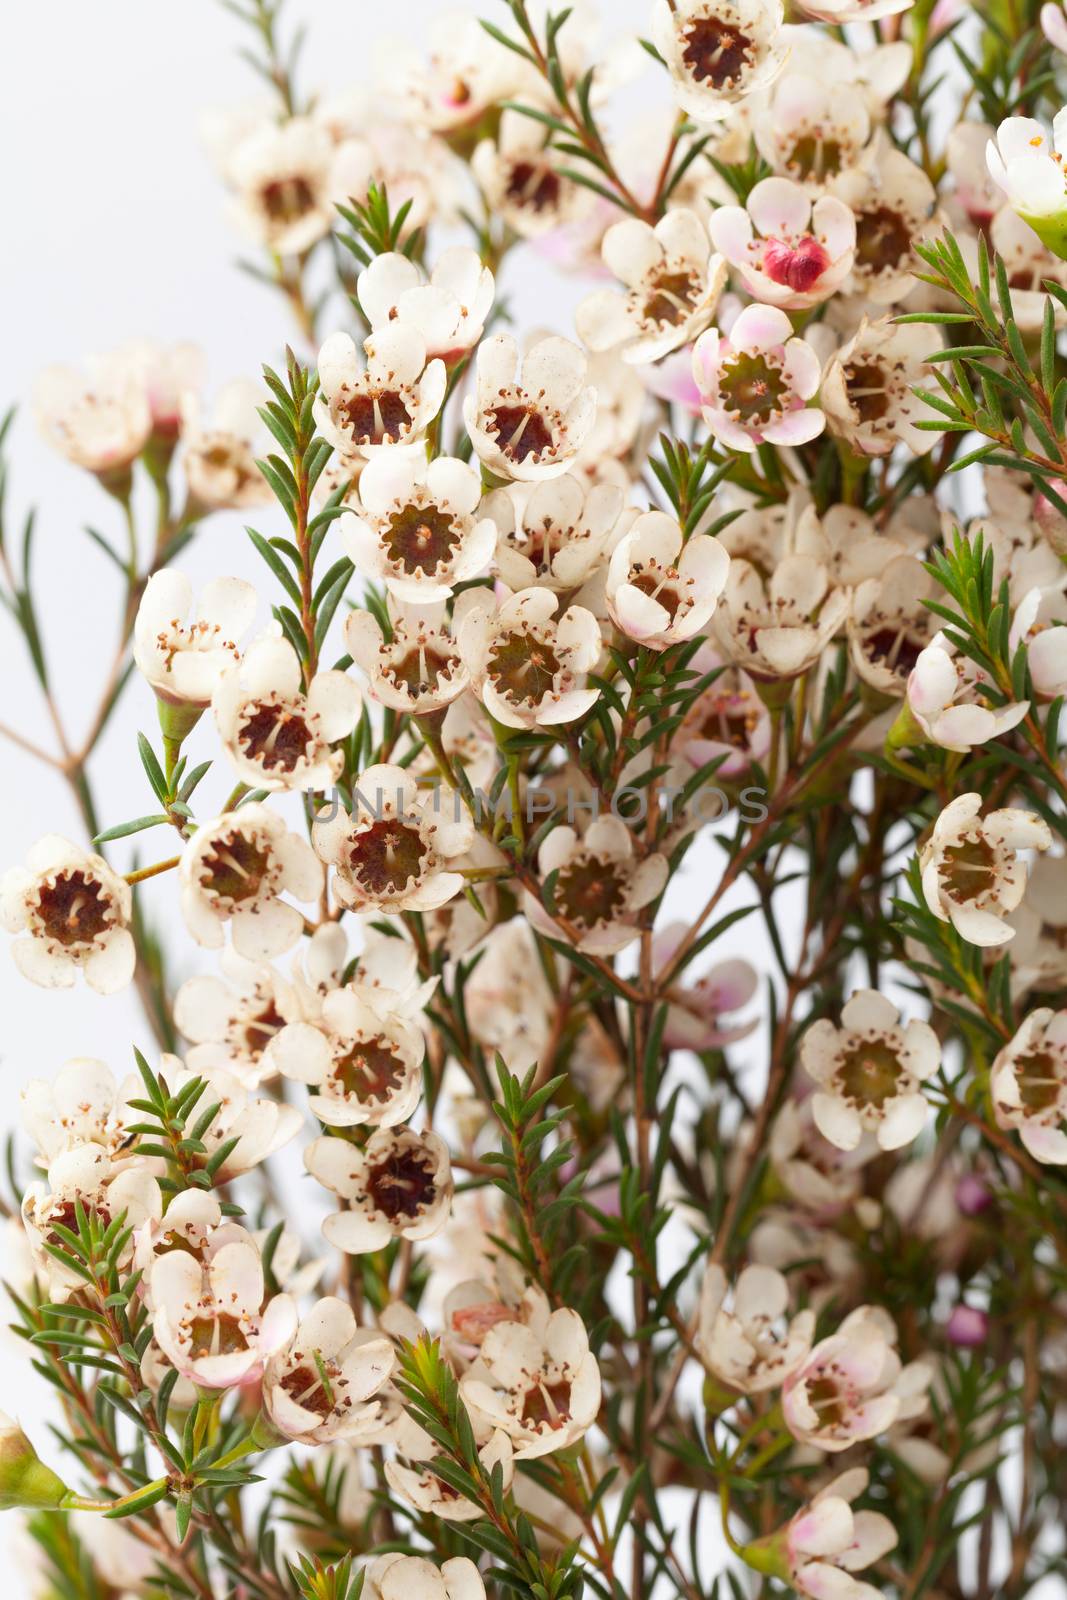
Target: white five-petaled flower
[(869, 1072), (755, 384), (209, 1318), (100, 420), (528, 665), (813, 127), (234, 869), (397, 1577), (449, 311), (398, 1186), (276, 736), (85, 1175), (183, 660), (534, 427), (73, 912), (233, 1024), (286, 177), (552, 534), (779, 628), (1027, 163), (316, 1388), (673, 282), (419, 668), (260, 1125), (718, 51), (388, 402), (82, 1105), (972, 875), (889, 623), (419, 1486), (868, 388), (397, 849), (892, 201), (538, 1381), (361, 1058), (521, 176), (599, 885), (852, 1386), (944, 697), (219, 457), (417, 526), (820, 1548), (659, 589), (789, 251), (1028, 1085), (752, 1344)]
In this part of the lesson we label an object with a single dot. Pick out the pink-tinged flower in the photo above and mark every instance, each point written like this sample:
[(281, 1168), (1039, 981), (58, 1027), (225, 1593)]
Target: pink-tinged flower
[(522, 178), (1054, 25), (449, 311), (826, 1542), (474, 1306), (752, 1344), (673, 282), (529, 666), (599, 886), (361, 1058), (967, 1327), (973, 1194), (164, 373), (399, 1186), (892, 201), (728, 719), (869, 1072), (85, 1176), (813, 127), (1045, 637), (868, 388), (538, 1381), (100, 420), (219, 457), (660, 590), (889, 623), (419, 1486), (276, 736), (209, 1318), (397, 1577), (417, 526), (972, 875), (699, 1016), (535, 427), (756, 384), (839, 12), (852, 1386), (789, 252), (718, 51), (945, 698), (183, 660), (510, 1007), (464, 74), (976, 191), (1029, 1085), (553, 534), (819, 1176), (397, 849), (316, 1387), (419, 668), (386, 403), (193, 1223), (73, 912), (778, 628)]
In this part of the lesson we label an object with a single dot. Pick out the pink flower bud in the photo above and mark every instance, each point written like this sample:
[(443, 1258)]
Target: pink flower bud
[(967, 1327), (973, 1195)]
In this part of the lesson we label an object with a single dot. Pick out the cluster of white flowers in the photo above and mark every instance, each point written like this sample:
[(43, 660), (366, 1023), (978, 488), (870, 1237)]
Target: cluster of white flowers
[(507, 647)]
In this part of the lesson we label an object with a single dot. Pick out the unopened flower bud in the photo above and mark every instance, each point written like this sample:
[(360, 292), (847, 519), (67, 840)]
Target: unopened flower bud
[(973, 1195), (25, 1481), (967, 1327)]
